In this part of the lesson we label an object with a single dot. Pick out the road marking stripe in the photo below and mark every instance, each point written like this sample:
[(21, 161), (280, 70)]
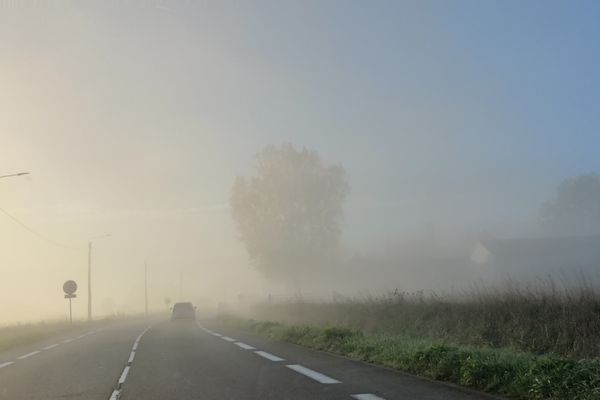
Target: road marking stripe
[(217, 334), (366, 396), (124, 375), (135, 346), (228, 338), (244, 346), (33, 353), (312, 374), (67, 340), (131, 357), (6, 364), (51, 346), (269, 356), (80, 336), (115, 395)]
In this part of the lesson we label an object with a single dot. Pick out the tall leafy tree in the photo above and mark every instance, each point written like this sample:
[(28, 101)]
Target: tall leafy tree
[(288, 213)]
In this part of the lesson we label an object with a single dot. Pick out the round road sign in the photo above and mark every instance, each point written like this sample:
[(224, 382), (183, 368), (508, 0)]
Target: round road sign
[(70, 287)]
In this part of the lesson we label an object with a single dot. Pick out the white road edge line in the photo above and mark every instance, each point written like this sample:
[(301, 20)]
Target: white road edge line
[(135, 346), (115, 395), (68, 340), (51, 346), (366, 396), (244, 346), (269, 356), (123, 376), (317, 376), (217, 334), (131, 357), (228, 338), (6, 364), (24, 356)]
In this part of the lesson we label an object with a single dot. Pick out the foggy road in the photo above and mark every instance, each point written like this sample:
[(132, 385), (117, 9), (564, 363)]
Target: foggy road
[(159, 359)]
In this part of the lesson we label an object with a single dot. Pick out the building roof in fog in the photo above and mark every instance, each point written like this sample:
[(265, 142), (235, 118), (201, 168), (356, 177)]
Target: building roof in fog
[(540, 254)]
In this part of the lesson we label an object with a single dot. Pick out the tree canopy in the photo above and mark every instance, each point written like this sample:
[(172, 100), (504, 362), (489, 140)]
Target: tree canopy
[(288, 213), (576, 208)]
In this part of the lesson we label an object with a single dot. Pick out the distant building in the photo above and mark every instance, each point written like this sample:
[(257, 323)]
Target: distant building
[(538, 256)]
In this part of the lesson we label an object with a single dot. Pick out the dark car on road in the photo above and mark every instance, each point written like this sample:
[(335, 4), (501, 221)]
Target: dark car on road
[(183, 311)]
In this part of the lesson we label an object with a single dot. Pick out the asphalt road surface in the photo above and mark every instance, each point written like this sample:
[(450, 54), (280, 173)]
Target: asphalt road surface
[(163, 360)]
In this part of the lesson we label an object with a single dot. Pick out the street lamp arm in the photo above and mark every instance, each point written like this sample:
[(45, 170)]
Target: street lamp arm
[(12, 175), (100, 236)]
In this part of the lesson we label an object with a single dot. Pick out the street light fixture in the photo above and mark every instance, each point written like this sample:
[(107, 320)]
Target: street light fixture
[(90, 272), (13, 175)]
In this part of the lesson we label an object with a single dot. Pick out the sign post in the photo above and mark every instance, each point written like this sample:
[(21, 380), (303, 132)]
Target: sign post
[(70, 287)]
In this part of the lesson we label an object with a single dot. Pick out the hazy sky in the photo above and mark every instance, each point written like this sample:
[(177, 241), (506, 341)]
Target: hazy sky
[(134, 118)]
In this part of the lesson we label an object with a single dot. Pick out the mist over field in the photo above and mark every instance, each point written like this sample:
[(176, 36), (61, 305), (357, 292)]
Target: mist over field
[(275, 150)]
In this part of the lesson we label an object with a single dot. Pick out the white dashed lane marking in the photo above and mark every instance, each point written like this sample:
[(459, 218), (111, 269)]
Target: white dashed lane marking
[(317, 376), (50, 346), (123, 376), (366, 396), (115, 395), (33, 353), (203, 328), (244, 346), (269, 356)]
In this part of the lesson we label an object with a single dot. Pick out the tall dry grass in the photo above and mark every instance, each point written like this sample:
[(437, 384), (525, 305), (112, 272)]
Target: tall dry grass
[(540, 317)]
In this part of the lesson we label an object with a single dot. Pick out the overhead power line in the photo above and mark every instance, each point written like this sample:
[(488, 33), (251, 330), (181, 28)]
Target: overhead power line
[(37, 234)]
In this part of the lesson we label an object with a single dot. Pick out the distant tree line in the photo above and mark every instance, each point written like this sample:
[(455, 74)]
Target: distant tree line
[(575, 209)]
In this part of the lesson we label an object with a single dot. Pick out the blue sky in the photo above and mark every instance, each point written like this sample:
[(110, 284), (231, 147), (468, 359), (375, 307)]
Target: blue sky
[(487, 104)]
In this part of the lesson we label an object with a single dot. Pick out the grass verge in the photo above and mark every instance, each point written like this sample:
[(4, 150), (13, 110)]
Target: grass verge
[(11, 336), (500, 371)]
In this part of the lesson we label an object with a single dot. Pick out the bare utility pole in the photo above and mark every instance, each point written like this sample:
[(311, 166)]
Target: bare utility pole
[(180, 284), (146, 287), (90, 280), (90, 273)]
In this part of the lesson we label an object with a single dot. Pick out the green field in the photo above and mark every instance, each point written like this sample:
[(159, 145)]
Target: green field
[(523, 343), (502, 371)]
